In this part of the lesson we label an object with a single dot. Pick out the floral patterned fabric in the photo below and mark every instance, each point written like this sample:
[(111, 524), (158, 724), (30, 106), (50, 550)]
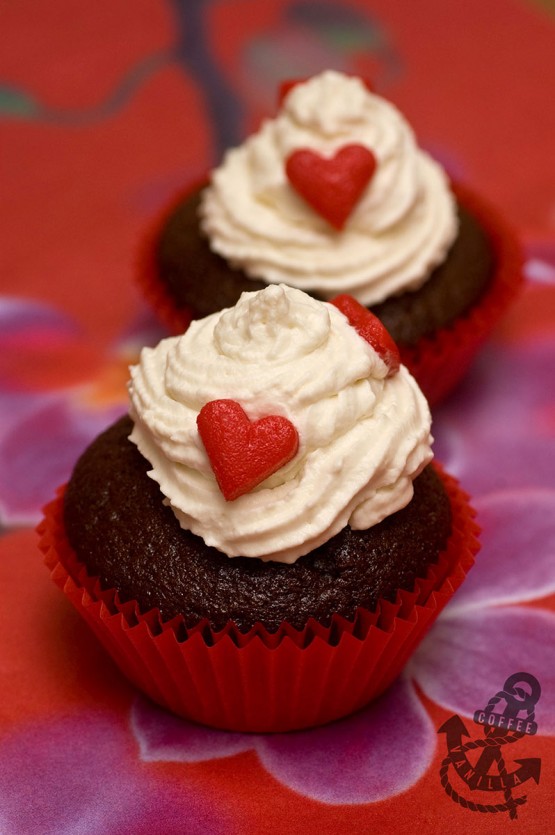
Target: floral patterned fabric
[(106, 110)]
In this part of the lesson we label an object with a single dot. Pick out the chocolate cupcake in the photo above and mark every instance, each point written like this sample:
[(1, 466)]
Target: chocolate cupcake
[(269, 501), (334, 196), (149, 558)]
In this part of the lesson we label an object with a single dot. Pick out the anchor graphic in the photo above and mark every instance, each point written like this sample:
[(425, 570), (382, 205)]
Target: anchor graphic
[(500, 730)]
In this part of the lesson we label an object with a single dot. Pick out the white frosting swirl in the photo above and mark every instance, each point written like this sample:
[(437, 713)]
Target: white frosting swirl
[(401, 228), (363, 436)]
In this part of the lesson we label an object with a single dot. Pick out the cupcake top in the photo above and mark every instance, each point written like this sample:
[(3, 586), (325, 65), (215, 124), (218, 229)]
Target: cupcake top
[(284, 377), (333, 195)]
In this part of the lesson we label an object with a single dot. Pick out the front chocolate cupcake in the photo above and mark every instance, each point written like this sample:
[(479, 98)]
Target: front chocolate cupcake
[(335, 196), (272, 486)]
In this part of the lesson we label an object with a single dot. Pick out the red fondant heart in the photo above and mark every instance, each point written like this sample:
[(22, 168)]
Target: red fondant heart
[(332, 186), (371, 329), (242, 452)]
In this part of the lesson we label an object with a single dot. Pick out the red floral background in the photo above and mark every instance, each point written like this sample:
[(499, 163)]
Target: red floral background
[(106, 110)]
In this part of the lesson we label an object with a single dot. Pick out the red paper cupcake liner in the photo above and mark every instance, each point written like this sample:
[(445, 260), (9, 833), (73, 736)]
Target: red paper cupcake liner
[(437, 362), (261, 681)]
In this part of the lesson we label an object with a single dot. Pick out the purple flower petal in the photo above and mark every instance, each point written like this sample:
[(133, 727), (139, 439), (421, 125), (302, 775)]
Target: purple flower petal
[(465, 660), (498, 429), (379, 752), (39, 452), (79, 774), (374, 754), (21, 315), (540, 252), (516, 562), (540, 271), (165, 737)]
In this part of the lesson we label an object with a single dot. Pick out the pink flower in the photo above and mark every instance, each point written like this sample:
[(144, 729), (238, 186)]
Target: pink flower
[(57, 392)]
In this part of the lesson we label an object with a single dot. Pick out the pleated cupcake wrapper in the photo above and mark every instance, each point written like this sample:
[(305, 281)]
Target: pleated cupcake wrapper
[(440, 361), (262, 681), (437, 362)]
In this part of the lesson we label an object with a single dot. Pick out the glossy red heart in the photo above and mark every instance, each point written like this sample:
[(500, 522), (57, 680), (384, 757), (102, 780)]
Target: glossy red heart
[(371, 329), (331, 185), (243, 452)]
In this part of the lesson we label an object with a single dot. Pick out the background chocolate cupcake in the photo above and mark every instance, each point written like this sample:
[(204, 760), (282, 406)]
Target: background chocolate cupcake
[(334, 195)]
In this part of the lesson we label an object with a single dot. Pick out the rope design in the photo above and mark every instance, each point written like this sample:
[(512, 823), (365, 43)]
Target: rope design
[(502, 695), (491, 740), (509, 806), (517, 700), (510, 803), (525, 704)]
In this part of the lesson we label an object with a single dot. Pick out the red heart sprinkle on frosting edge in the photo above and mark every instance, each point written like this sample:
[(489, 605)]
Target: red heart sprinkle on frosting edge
[(242, 452), (371, 329), (331, 185)]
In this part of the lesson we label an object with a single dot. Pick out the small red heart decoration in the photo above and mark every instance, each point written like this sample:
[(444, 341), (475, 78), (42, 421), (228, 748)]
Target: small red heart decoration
[(371, 329), (242, 452), (331, 185)]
